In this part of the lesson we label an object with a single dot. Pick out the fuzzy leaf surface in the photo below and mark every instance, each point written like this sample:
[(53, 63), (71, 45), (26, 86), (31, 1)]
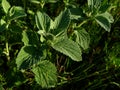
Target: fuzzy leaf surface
[(68, 47), (61, 22), (45, 74), (82, 38), (28, 56), (43, 21)]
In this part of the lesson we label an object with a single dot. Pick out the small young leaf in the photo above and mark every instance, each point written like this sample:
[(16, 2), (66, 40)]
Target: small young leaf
[(82, 38), (28, 56), (90, 4), (61, 23), (43, 21), (97, 3), (6, 6), (94, 5), (68, 47), (2, 25), (103, 22), (16, 12), (45, 74)]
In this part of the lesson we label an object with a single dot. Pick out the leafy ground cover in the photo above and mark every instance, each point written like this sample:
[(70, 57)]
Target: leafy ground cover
[(59, 44)]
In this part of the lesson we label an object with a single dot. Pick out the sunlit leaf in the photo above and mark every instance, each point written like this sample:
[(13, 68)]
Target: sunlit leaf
[(82, 38), (16, 12), (43, 21), (68, 47), (6, 6), (94, 4), (90, 4), (61, 22), (103, 22), (45, 74), (108, 16), (51, 1), (35, 1)]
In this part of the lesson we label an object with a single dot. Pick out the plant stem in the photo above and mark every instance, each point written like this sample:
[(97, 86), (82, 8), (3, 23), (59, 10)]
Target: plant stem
[(7, 50), (83, 23), (6, 44), (101, 72)]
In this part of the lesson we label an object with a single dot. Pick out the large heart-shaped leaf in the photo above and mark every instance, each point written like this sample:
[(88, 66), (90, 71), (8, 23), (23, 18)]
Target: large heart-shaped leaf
[(45, 74), (43, 21), (82, 38), (28, 56), (61, 22), (68, 47), (103, 22), (6, 6)]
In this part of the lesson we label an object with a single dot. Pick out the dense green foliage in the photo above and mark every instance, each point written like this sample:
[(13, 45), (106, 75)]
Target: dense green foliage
[(59, 44)]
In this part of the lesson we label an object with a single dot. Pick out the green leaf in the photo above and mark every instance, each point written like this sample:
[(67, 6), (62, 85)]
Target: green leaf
[(94, 5), (6, 6), (114, 54), (103, 22), (115, 60), (108, 16), (16, 12), (30, 38), (2, 25), (43, 21), (104, 7), (68, 47), (28, 56), (97, 3), (50, 1), (61, 23), (45, 74), (91, 4), (76, 13), (82, 38), (35, 1), (45, 1)]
